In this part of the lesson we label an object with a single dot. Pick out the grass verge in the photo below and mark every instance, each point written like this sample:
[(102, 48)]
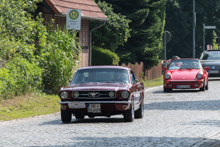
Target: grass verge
[(28, 105), (154, 82)]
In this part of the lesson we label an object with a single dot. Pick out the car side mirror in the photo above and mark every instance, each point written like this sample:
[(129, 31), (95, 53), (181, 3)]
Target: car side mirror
[(135, 81), (164, 68), (206, 68)]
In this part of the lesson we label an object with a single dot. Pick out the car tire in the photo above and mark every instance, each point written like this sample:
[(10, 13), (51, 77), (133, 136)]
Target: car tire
[(79, 115), (129, 114), (167, 89), (207, 86), (91, 116), (140, 112), (66, 116), (203, 87)]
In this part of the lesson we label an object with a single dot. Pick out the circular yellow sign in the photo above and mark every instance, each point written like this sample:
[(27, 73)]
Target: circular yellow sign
[(73, 14)]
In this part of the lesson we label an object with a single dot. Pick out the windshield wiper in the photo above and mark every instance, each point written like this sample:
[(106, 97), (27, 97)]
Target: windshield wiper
[(109, 82)]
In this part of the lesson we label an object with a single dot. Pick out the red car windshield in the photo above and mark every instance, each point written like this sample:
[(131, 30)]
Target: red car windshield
[(185, 64), (98, 75)]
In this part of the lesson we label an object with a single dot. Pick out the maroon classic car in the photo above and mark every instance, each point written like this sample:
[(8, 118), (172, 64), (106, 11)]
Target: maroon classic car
[(102, 91)]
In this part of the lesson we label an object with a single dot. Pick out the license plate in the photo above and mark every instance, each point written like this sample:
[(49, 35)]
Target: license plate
[(94, 108), (76, 105), (213, 71), (183, 86)]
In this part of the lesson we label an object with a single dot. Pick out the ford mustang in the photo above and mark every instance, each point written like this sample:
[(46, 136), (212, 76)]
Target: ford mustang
[(102, 91), (185, 73)]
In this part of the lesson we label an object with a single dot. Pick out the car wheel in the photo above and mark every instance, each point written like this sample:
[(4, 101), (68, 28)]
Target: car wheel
[(167, 89), (66, 116), (129, 114), (207, 86), (140, 112), (203, 87), (91, 116), (79, 115)]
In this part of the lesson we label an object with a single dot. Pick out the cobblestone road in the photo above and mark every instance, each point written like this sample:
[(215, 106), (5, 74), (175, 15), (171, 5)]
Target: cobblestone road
[(178, 119)]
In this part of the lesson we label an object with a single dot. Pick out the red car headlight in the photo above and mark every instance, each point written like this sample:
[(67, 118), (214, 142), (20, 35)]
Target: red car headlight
[(167, 76), (199, 75)]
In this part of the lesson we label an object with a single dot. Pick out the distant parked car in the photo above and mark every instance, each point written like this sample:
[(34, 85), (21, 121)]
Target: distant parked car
[(211, 59), (102, 91), (185, 73)]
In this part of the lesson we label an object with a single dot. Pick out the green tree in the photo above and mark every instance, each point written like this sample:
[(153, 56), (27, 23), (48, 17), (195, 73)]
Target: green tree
[(179, 21), (114, 33), (147, 25)]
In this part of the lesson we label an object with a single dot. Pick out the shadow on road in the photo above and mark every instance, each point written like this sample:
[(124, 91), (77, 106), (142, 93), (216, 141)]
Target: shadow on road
[(138, 141), (184, 105), (87, 120)]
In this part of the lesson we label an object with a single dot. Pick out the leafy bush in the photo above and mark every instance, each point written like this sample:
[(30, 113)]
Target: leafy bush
[(103, 56), (57, 62), (19, 77), (24, 39)]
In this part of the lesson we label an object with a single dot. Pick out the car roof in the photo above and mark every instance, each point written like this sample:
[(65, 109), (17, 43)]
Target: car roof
[(211, 50), (185, 59), (104, 66)]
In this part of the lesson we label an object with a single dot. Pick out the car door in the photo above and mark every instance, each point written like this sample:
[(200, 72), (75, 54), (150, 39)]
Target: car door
[(136, 90)]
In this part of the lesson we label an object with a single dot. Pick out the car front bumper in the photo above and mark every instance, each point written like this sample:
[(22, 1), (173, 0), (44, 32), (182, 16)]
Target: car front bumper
[(183, 84), (105, 106)]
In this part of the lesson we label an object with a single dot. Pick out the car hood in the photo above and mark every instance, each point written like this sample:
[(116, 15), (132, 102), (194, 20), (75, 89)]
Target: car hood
[(210, 62), (97, 86), (184, 74)]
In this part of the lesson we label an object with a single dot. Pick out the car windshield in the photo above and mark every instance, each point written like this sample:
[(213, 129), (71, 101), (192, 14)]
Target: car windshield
[(213, 55), (101, 75), (185, 64)]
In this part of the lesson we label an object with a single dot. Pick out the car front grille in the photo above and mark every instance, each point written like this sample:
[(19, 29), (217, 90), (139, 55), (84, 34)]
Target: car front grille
[(183, 82), (94, 95), (213, 67)]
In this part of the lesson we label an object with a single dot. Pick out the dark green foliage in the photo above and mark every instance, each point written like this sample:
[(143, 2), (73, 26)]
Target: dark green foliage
[(179, 21), (147, 24), (102, 56), (114, 33)]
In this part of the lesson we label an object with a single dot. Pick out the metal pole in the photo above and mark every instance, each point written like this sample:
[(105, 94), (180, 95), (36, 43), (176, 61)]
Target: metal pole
[(165, 48), (218, 40), (194, 25), (203, 36)]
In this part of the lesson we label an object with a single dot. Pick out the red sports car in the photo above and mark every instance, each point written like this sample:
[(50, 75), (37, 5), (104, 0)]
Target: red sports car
[(185, 73), (102, 91)]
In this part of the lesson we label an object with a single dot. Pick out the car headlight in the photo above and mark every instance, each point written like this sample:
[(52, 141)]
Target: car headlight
[(125, 94), (64, 95), (167, 76), (199, 75), (111, 94), (76, 94)]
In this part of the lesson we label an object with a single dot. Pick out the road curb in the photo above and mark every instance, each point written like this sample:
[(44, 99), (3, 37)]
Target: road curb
[(152, 88)]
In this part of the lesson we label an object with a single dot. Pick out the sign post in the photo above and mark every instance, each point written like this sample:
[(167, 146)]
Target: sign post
[(206, 27), (73, 19)]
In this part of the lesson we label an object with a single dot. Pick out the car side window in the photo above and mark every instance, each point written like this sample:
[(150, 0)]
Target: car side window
[(133, 77)]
